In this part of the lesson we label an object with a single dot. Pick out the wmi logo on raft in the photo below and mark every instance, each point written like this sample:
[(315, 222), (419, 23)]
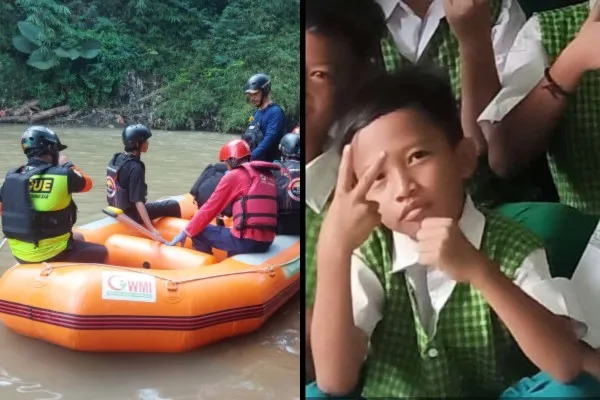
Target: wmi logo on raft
[(128, 286)]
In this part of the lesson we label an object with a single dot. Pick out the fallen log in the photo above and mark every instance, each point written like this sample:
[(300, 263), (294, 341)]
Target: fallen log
[(16, 111), (15, 119), (22, 119), (53, 112)]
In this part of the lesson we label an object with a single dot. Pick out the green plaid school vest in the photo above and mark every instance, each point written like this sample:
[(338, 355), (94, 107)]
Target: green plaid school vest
[(486, 189), (574, 151), (313, 226), (471, 353)]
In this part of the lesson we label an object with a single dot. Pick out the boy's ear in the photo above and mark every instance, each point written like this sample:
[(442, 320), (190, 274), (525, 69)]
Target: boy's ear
[(466, 156)]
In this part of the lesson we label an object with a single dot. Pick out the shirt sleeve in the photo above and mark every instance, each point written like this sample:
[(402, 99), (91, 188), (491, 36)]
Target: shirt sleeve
[(556, 294), (136, 183), (523, 69), (367, 295), (78, 181), (510, 21), (225, 192), (275, 124)]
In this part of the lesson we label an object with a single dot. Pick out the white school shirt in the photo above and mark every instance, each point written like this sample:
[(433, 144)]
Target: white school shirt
[(524, 69), (321, 177), (412, 34), (433, 287)]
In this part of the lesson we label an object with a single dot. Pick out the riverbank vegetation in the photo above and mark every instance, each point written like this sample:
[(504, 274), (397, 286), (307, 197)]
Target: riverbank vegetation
[(174, 64)]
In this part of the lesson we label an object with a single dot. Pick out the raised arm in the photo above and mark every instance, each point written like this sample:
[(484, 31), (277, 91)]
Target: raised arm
[(483, 49), (519, 123)]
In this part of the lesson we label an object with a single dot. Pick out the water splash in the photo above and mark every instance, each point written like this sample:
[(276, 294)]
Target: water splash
[(150, 394), (287, 341), (23, 387)]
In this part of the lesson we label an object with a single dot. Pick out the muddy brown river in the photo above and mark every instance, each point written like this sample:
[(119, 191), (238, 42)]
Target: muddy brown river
[(263, 365)]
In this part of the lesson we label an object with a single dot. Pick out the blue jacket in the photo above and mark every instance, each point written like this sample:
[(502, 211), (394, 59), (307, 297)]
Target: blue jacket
[(272, 124)]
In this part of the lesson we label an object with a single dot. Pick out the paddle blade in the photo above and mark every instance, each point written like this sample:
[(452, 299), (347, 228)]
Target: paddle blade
[(112, 211)]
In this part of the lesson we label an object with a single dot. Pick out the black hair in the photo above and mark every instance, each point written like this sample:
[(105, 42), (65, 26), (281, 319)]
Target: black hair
[(236, 162), (360, 22), (422, 89)]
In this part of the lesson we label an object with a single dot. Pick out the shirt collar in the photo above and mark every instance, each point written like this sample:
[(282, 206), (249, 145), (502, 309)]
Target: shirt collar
[(471, 223), (389, 6), (321, 175)]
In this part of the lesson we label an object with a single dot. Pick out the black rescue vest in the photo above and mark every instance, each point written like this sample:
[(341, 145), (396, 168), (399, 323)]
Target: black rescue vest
[(206, 184), (117, 195), (288, 187), (253, 135), (20, 220)]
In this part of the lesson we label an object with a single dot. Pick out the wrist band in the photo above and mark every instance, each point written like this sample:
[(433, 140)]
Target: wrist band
[(554, 88)]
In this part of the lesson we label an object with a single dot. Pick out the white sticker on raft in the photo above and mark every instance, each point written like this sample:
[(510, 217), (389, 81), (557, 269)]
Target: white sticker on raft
[(128, 286)]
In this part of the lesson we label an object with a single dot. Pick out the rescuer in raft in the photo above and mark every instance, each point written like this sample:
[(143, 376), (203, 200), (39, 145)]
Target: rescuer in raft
[(288, 185), (38, 211), (250, 186), (267, 124), (126, 186)]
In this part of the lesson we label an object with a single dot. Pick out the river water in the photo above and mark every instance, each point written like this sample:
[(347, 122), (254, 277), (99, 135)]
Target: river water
[(263, 365)]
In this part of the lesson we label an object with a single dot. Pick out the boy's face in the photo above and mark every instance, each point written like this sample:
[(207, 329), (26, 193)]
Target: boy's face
[(327, 72), (423, 174)]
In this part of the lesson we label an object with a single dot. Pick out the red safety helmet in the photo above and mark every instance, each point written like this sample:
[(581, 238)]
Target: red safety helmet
[(235, 149)]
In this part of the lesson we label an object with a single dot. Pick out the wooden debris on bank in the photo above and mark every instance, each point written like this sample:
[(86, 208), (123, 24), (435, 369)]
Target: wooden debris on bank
[(30, 113)]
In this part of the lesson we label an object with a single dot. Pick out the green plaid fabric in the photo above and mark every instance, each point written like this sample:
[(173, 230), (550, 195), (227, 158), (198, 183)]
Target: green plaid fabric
[(471, 353), (574, 152), (486, 189), (313, 226)]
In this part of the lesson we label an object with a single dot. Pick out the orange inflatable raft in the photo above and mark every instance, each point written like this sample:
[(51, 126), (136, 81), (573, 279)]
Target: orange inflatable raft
[(151, 297)]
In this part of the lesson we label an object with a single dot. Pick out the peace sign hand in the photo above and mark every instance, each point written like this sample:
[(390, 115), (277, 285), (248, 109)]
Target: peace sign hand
[(351, 217)]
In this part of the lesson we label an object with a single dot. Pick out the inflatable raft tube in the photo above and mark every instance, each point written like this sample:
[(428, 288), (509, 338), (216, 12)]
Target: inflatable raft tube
[(152, 297), (101, 230)]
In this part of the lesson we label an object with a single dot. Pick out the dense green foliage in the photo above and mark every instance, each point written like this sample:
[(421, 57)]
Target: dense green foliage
[(191, 56)]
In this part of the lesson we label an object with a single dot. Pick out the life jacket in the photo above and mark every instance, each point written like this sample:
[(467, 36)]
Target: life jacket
[(288, 187), (117, 195), (37, 205), (257, 209), (206, 184)]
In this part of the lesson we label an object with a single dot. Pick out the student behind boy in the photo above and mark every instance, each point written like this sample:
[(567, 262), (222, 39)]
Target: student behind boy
[(126, 186), (470, 40), (449, 301), (339, 50), (550, 104)]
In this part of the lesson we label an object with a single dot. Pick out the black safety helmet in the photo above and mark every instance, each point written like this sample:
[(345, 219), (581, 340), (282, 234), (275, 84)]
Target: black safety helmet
[(37, 140), (135, 135), (258, 82), (289, 146)]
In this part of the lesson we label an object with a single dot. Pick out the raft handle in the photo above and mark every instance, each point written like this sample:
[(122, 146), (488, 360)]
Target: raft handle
[(47, 270), (171, 286), (270, 270)]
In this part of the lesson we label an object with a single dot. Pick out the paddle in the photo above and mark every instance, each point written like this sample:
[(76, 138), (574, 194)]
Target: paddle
[(2, 243), (118, 214)]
